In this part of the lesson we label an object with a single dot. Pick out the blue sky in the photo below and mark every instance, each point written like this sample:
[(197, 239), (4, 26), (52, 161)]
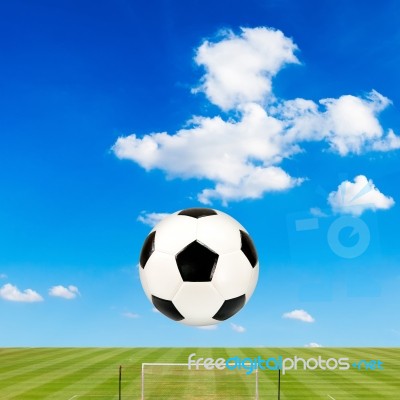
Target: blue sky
[(78, 80)]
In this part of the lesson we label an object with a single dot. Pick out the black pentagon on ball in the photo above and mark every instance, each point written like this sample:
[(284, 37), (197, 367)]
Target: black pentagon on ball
[(196, 262), (167, 308), (147, 249), (230, 308), (248, 248), (198, 212)]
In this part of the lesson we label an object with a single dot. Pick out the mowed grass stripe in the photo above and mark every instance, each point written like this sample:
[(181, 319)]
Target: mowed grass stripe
[(80, 364), (392, 358), (22, 358), (51, 363), (166, 386), (10, 354), (200, 382), (95, 379), (130, 374), (338, 383), (391, 355), (346, 380), (351, 377), (151, 383), (293, 384), (135, 379), (319, 380), (389, 375), (357, 355), (155, 381), (386, 353), (327, 381), (31, 377), (81, 378), (386, 381), (218, 384), (267, 379), (246, 381), (78, 370), (25, 364), (132, 371), (189, 392)]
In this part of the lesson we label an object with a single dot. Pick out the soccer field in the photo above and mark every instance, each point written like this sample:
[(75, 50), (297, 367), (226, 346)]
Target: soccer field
[(92, 373)]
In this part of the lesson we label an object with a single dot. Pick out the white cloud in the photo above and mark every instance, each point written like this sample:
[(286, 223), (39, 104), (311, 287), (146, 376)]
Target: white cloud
[(300, 315), (211, 148), (208, 327), (238, 328), (12, 293), (312, 345), (301, 120), (130, 315), (317, 212), (252, 186), (358, 196), (239, 68), (237, 155), (68, 293), (349, 124), (352, 123), (240, 153), (151, 219), (389, 142)]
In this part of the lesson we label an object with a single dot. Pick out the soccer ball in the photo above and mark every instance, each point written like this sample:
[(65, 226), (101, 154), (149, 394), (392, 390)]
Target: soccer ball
[(198, 266)]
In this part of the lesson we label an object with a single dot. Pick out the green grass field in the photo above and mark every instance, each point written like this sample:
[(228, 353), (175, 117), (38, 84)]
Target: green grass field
[(92, 374)]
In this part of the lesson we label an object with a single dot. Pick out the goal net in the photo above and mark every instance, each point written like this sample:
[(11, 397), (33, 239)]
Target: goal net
[(161, 381)]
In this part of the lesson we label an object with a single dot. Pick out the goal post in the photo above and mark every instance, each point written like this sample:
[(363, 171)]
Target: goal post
[(161, 381)]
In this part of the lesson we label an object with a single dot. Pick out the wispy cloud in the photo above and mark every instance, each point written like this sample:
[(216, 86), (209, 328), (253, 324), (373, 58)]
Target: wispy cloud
[(10, 292), (242, 154), (208, 327), (151, 218), (130, 315), (299, 315), (317, 212), (67, 293), (238, 328), (313, 345), (358, 196), (3, 276)]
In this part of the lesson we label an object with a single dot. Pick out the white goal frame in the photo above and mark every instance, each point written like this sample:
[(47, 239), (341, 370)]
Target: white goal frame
[(197, 364)]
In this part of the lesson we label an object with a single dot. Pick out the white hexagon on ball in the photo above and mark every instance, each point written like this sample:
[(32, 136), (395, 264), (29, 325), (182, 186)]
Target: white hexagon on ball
[(162, 277), (199, 266), (173, 234), (233, 275), (219, 232), (198, 301)]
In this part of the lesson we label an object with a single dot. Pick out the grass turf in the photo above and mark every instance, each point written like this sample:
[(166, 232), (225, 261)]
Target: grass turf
[(92, 374)]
